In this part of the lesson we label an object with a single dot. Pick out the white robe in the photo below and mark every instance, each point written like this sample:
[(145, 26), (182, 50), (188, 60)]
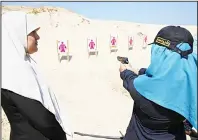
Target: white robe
[(19, 72)]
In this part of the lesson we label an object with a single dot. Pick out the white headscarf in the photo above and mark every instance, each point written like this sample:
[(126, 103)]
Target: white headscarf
[(19, 72)]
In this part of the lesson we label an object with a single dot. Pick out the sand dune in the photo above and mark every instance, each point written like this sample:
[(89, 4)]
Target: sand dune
[(89, 89)]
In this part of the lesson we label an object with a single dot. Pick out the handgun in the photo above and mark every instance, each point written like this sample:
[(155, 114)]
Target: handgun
[(123, 60)]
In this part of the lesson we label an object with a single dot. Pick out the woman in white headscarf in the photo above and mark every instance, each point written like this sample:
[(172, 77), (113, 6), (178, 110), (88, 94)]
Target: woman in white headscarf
[(29, 104)]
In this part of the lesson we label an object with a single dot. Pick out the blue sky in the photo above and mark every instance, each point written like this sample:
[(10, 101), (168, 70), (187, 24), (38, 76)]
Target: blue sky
[(174, 13)]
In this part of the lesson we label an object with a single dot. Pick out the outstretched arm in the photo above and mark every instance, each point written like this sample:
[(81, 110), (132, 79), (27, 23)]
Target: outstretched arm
[(128, 77)]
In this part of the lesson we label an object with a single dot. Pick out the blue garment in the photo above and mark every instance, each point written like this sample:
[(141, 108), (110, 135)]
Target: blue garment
[(195, 44), (171, 81)]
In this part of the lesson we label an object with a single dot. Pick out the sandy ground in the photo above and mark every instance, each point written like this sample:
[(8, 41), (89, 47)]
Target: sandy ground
[(89, 89)]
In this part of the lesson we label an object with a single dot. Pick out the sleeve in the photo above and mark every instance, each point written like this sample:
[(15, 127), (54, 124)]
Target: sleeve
[(187, 125), (39, 117), (142, 71), (128, 78)]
